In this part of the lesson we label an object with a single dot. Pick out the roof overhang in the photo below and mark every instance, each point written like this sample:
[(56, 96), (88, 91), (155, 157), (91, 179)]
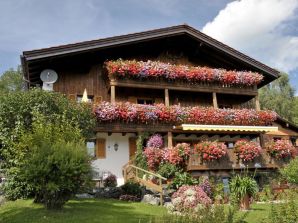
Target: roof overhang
[(226, 128)]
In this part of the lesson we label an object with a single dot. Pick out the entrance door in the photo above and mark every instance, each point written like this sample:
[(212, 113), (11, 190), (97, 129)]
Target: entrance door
[(132, 147)]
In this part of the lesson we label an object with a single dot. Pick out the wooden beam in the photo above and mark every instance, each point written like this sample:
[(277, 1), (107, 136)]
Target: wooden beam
[(113, 94), (167, 98), (170, 139), (214, 98), (257, 100)]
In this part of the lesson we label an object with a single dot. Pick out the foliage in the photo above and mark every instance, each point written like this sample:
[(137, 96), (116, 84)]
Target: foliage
[(290, 172), (132, 188), (218, 192), (155, 141), (156, 69), (140, 159), (206, 187), (167, 170), (154, 157), (188, 198), (11, 80), (285, 212), (182, 178), (56, 164), (177, 155), (247, 150), (211, 150), (110, 181), (128, 197), (266, 194), (136, 113), (280, 148), (17, 112), (279, 97), (241, 186)]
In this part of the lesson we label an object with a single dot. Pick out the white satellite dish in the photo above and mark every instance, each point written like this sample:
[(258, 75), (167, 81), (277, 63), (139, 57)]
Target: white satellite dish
[(49, 77)]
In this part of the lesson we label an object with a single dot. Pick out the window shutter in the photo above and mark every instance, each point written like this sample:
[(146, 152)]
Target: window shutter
[(101, 148), (72, 97), (132, 147), (97, 99), (132, 100)]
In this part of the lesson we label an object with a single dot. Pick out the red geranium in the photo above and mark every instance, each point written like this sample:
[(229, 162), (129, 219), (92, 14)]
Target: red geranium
[(247, 150), (280, 148), (211, 150)]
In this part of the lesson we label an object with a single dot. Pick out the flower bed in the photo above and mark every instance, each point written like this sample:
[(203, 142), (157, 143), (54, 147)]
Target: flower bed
[(247, 150), (136, 113), (280, 149), (187, 198), (155, 70), (211, 150)]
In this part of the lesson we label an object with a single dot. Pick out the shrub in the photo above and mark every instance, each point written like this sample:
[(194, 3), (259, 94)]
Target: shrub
[(187, 198), (182, 178), (167, 170), (141, 160), (57, 163), (290, 172), (247, 150), (241, 186), (110, 181), (132, 188), (155, 141), (211, 150), (128, 197), (280, 148)]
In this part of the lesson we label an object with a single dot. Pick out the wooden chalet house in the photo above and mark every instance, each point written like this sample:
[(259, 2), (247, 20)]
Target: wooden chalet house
[(176, 67)]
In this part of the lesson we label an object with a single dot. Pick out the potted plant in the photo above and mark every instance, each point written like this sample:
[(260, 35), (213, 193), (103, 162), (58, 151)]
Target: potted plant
[(242, 189), (247, 150), (210, 151), (280, 149)]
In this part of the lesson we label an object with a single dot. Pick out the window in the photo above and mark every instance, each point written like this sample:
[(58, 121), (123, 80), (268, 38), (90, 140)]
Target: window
[(230, 145), (276, 138), (221, 106), (293, 141), (145, 101), (90, 98), (91, 148)]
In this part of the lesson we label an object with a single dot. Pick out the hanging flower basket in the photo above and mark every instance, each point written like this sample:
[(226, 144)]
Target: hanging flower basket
[(247, 150), (211, 150), (280, 149), (155, 70)]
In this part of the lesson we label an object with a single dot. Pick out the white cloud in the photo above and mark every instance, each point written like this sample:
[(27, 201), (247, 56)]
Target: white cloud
[(255, 27)]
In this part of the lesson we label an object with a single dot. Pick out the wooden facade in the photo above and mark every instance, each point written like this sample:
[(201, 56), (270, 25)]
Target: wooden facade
[(81, 66)]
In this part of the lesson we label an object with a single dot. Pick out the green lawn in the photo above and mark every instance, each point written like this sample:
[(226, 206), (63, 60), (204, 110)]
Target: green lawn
[(87, 210), (91, 210)]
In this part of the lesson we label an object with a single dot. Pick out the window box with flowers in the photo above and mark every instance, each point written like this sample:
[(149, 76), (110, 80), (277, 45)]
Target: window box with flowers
[(247, 150), (280, 149), (210, 151)]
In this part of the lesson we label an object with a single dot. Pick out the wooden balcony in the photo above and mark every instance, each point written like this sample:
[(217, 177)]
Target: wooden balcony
[(186, 86), (230, 162)]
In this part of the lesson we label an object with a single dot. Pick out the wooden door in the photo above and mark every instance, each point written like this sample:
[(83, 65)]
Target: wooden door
[(132, 147), (101, 148)]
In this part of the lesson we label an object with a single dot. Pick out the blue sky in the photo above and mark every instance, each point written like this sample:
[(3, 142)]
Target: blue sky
[(266, 30)]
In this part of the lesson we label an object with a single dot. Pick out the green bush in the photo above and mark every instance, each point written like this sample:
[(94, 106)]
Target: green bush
[(55, 161), (110, 181), (132, 188), (290, 172), (182, 178), (167, 170)]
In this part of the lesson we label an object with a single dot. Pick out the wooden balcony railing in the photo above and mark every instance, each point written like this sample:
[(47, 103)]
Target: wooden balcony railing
[(231, 161)]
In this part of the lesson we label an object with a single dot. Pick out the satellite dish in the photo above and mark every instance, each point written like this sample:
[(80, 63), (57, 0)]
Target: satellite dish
[(48, 77)]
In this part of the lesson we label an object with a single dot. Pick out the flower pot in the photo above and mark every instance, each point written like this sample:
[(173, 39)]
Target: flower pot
[(245, 202)]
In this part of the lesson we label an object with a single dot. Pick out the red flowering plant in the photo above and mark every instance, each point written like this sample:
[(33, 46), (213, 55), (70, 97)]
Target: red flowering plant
[(136, 113), (177, 155), (247, 150), (211, 150), (154, 157), (192, 74), (280, 149)]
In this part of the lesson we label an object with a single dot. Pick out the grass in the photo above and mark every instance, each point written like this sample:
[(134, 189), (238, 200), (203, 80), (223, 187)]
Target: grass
[(87, 210), (93, 210)]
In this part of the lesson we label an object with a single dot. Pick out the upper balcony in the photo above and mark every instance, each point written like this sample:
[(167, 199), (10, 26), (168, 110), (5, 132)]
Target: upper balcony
[(158, 75)]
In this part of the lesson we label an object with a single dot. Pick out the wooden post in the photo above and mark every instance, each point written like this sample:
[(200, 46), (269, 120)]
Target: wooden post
[(113, 94), (170, 139), (262, 142), (258, 108), (167, 98), (161, 192), (214, 97)]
